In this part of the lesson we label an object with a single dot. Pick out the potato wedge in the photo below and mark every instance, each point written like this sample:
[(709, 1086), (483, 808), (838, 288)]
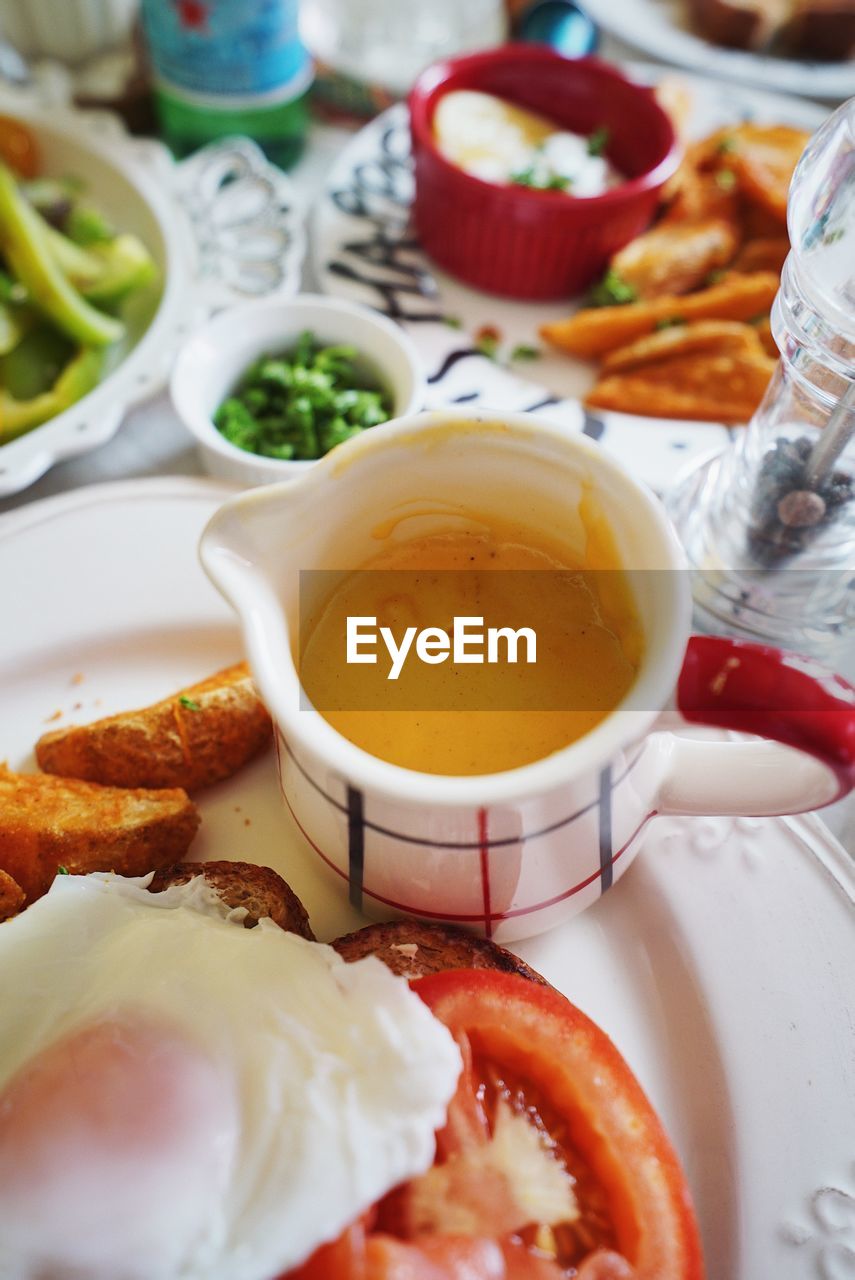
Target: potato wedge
[(713, 388), (712, 336), (47, 823), (12, 896), (764, 158), (701, 196), (596, 330), (766, 254), (674, 258), (199, 736), (767, 341)]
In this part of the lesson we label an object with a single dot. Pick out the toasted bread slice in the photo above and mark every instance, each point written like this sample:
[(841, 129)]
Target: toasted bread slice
[(740, 24), (47, 823), (413, 948), (12, 896), (200, 735), (243, 884)]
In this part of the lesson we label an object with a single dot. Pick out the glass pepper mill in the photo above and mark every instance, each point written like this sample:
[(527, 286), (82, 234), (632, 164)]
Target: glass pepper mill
[(769, 524)]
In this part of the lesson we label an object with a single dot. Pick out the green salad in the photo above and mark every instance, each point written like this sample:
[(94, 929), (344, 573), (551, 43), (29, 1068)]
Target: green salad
[(303, 403), (65, 274)]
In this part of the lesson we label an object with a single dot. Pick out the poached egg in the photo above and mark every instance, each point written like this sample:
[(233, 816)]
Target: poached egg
[(497, 141), (183, 1097)]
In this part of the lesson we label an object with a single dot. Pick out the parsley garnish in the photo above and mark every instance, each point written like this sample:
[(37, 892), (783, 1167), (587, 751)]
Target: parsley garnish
[(487, 344), (668, 322), (725, 179), (727, 145), (611, 291), (62, 871), (525, 352), (551, 182), (453, 322), (189, 703), (599, 140)]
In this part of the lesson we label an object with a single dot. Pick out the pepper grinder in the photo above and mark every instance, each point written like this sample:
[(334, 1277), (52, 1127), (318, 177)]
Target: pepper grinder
[(769, 524)]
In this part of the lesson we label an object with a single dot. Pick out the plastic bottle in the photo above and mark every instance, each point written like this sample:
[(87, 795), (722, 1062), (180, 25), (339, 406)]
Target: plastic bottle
[(227, 67)]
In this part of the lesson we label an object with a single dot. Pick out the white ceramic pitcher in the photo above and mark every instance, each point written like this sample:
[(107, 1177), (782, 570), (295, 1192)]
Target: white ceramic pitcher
[(511, 854)]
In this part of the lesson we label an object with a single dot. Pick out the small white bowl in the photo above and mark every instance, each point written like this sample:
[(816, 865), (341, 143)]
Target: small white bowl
[(212, 361)]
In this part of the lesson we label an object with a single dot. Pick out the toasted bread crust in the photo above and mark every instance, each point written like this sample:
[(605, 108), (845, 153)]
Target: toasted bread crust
[(196, 737), (413, 949), (243, 884), (48, 822), (12, 896)]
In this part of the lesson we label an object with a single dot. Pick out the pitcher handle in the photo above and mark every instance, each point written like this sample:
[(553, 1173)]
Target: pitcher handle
[(757, 689)]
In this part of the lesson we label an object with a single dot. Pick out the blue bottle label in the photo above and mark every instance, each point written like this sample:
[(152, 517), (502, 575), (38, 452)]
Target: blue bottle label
[(233, 48)]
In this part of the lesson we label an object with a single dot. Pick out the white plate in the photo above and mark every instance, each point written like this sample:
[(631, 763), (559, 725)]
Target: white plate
[(224, 226), (721, 964), (662, 29), (364, 250)]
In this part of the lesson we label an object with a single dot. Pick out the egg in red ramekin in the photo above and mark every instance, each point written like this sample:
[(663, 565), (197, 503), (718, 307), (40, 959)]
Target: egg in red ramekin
[(522, 242)]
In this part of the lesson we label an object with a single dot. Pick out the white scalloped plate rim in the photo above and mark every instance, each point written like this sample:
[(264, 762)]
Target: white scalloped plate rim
[(185, 301), (720, 963)]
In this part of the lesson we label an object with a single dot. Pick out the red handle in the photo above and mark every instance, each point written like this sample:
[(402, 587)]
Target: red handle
[(758, 689)]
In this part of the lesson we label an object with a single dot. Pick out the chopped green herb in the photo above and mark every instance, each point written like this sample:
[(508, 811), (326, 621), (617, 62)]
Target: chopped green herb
[(668, 322), (453, 322), (713, 277), (545, 181), (725, 179), (189, 703), (525, 352), (62, 871), (599, 140), (727, 145), (523, 177), (761, 319), (488, 345), (303, 403), (611, 291)]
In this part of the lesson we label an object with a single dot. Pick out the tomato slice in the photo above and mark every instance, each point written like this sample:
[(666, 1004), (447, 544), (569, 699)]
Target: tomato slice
[(18, 147), (544, 1102), (528, 1042)]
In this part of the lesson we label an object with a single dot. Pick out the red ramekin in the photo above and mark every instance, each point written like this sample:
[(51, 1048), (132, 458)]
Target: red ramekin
[(524, 243)]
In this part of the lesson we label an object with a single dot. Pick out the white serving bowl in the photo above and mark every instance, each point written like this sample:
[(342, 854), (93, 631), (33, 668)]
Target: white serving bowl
[(212, 361), (194, 217)]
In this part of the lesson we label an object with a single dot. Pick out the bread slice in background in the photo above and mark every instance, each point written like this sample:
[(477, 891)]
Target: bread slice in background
[(196, 737), (739, 24), (47, 823), (823, 29), (413, 948), (260, 890)]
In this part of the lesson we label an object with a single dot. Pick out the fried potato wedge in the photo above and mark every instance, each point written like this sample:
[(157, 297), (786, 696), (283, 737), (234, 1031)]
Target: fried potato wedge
[(596, 330), (674, 258), (764, 158), (764, 333), (12, 896), (702, 196), (47, 823), (196, 737), (710, 336), (713, 388), (764, 254)]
